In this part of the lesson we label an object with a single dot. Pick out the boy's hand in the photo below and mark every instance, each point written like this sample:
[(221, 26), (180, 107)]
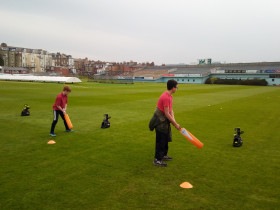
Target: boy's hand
[(177, 126)]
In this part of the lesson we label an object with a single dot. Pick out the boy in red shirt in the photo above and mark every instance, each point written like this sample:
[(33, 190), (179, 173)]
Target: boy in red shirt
[(161, 120), (59, 108)]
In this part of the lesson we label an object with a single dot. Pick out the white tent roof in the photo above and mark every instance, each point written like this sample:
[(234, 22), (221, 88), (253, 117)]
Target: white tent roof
[(32, 78)]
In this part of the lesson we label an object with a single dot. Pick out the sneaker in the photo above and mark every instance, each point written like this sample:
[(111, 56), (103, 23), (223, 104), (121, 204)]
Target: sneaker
[(52, 134), (167, 158), (159, 163), (69, 130)]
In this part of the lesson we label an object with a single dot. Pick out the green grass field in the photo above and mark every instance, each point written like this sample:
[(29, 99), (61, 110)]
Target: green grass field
[(94, 168)]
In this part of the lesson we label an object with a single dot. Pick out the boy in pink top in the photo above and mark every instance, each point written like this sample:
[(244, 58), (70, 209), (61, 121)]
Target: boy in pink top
[(59, 108), (165, 114)]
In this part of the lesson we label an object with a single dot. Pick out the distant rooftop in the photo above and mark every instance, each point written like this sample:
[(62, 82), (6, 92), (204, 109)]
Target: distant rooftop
[(203, 69)]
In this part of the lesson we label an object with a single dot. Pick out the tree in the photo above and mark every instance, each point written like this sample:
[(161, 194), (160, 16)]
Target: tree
[(213, 80)]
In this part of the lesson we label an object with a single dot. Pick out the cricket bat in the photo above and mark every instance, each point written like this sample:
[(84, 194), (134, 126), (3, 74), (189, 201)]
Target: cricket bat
[(68, 121), (191, 138)]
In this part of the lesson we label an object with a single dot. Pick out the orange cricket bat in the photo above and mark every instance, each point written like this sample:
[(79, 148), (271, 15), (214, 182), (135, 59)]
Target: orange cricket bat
[(68, 121), (191, 138)]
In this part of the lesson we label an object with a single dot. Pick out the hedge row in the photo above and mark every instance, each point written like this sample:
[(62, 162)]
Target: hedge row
[(255, 82)]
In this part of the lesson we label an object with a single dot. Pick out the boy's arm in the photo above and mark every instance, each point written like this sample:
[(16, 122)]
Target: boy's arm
[(172, 114), (65, 108), (57, 104), (171, 118)]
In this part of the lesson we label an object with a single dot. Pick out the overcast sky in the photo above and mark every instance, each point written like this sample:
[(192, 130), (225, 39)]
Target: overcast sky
[(163, 31)]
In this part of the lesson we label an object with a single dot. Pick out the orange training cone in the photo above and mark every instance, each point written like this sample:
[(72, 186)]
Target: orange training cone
[(186, 185), (191, 138), (51, 142)]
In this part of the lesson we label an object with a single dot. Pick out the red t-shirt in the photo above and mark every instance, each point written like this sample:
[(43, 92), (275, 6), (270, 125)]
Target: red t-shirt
[(61, 100), (165, 100)]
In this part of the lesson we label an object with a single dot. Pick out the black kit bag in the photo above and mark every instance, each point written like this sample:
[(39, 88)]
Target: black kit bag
[(237, 140)]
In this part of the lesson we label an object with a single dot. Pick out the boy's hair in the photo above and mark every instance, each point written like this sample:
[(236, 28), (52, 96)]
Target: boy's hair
[(171, 84), (67, 88)]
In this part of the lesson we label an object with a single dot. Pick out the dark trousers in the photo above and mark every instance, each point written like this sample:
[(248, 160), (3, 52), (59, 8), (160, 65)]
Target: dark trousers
[(55, 119), (161, 145)]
